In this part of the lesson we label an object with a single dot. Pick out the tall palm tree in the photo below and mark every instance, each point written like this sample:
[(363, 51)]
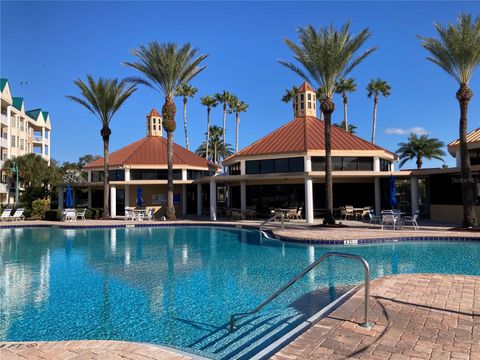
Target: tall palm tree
[(224, 98), (419, 148), (165, 67), (320, 95), (345, 86), (326, 56), (210, 102), (290, 96), (352, 129), (376, 88), (216, 147), (237, 107), (186, 91), (103, 98), (458, 53)]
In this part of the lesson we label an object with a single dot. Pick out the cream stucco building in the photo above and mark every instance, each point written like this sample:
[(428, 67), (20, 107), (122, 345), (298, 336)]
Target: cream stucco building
[(21, 132)]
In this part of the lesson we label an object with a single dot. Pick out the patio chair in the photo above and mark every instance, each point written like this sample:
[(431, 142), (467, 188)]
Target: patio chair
[(366, 212), (389, 218), (348, 212), (292, 214), (18, 215), (129, 214), (150, 214), (250, 214), (80, 214), (237, 215), (6, 215), (69, 215), (412, 220), (299, 213), (374, 219)]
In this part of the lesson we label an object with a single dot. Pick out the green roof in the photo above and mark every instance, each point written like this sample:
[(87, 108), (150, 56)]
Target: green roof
[(34, 113), (45, 114), (17, 102), (3, 82)]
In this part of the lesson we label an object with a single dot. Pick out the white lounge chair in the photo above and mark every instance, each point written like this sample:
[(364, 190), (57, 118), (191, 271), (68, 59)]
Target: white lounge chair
[(69, 215), (6, 215), (80, 214), (389, 218), (412, 220), (129, 213), (18, 215)]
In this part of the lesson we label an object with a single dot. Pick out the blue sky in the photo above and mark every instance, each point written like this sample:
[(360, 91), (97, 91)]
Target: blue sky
[(49, 44)]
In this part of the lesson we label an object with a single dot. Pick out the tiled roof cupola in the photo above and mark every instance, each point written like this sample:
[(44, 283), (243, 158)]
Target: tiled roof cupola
[(305, 101), (154, 123)]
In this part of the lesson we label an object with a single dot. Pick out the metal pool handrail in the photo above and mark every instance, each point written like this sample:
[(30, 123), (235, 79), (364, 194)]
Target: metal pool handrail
[(273, 218), (310, 267)]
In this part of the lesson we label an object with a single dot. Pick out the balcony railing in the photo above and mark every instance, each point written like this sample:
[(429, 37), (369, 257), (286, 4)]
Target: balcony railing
[(37, 139), (4, 120), (3, 142)]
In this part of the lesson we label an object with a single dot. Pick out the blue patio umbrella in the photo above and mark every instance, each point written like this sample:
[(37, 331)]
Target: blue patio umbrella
[(139, 196), (68, 197), (393, 193)]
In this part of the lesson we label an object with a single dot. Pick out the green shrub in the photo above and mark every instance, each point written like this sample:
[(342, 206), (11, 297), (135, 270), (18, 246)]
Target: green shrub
[(28, 214), (96, 213), (88, 213), (53, 215), (39, 207)]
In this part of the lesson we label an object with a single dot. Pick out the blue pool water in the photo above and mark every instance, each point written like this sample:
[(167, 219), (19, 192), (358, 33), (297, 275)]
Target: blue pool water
[(178, 286)]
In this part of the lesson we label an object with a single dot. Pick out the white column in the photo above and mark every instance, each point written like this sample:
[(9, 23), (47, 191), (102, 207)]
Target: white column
[(242, 167), (184, 198), (9, 132), (213, 200), (89, 176), (127, 196), (43, 141), (243, 195), (199, 199), (113, 201), (184, 174), (127, 174), (414, 193), (89, 192), (378, 198), (309, 200), (60, 197), (458, 158), (376, 163), (308, 163)]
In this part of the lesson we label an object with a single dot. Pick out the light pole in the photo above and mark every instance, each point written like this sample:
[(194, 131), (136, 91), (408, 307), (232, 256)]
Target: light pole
[(15, 170)]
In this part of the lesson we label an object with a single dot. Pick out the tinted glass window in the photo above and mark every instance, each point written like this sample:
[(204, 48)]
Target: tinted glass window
[(266, 166), (252, 167), (281, 165), (365, 163), (336, 163), (295, 164), (350, 163), (318, 163)]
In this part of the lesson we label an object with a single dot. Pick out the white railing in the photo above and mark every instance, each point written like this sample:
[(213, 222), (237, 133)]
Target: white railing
[(37, 138), (4, 120), (3, 188), (3, 142)]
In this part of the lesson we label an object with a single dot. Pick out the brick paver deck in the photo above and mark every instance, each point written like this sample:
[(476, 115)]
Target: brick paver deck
[(416, 317), (86, 350)]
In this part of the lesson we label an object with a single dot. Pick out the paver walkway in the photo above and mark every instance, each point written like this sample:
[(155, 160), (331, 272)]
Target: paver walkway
[(416, 317), (85, 350)]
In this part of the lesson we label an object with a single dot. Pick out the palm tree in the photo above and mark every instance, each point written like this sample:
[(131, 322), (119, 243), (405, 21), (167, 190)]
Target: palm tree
[(352, 129), (165, 67), (345, 86), (224, 98), (458, 53), (209, 102), (186, 91), (326, 56), (320, 95), (290, 96), (237, 107), (419, 148), (375, 88), (103, 98), (215, 147)]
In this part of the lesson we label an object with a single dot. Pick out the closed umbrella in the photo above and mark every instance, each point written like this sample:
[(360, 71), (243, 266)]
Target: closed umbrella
[(393, 193), (68, 197), (139, 196)]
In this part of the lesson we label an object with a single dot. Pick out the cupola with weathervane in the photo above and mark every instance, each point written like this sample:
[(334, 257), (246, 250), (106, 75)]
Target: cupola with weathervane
[(154, 123), (305, 101)]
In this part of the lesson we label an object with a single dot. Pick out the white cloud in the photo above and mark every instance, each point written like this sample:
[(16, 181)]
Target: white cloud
[(414, 130)]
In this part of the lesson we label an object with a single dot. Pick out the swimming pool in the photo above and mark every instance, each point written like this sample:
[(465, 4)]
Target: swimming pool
[(178, 285)]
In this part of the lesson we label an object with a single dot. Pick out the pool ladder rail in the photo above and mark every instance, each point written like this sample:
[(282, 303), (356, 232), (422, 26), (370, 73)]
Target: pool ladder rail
[(274, 218), (322, 258)]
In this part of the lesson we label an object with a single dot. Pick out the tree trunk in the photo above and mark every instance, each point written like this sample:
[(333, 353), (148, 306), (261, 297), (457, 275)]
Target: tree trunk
[(374, 127), (168, 112), (293, 109), (328, 107), (419, 162), (105, 132), (237, 124), (224, 127), (464, 94), (215, 160), (345, 115), (208, 133), (185, 122)]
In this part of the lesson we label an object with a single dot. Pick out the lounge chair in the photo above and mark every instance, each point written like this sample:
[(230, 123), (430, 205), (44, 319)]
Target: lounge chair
[(374, 219), (80, 214), (69, 215), (299, 213), (389, 217), (150, 214), (6, 215), (412, 220), (18, 215), (129, 213), (292, 214)]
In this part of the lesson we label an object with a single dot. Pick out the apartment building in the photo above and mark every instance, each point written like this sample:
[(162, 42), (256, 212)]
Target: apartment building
[(21, 132)]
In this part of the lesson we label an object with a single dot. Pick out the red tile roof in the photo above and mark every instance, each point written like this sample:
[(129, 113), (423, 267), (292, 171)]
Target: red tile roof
[(306, 86), (302, 134), (153, 113), (152, 150)]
